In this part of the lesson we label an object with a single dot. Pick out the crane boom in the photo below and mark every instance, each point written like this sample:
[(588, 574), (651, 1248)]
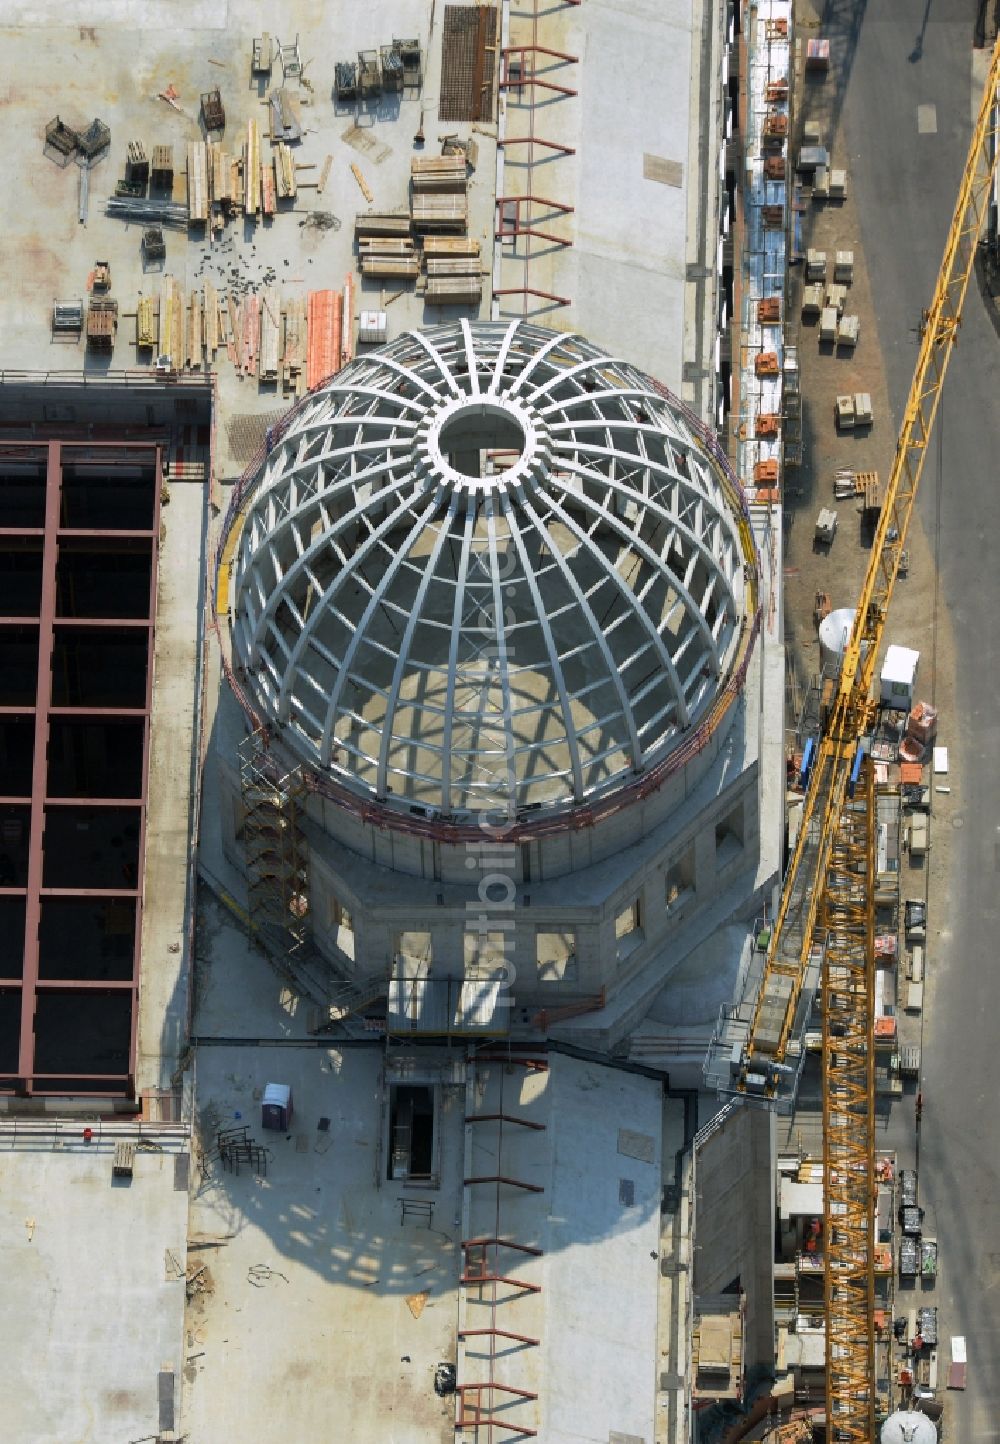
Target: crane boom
[(792, 935), (829, 886)]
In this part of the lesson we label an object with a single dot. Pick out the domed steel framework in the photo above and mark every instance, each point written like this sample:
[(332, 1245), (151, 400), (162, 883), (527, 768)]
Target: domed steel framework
[(488, 563)]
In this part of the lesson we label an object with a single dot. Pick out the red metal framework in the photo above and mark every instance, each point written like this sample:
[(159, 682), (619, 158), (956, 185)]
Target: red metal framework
[(515, 74), (79, 531), (511, 222), (520, 77), (492, 1404)]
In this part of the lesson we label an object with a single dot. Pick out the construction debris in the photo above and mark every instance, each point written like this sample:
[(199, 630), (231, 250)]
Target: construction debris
[(198, 1279), (321, 221), (285, 116), (284, 172)]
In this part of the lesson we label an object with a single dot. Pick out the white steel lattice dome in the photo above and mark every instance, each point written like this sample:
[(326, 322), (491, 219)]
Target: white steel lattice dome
[(488, 559)]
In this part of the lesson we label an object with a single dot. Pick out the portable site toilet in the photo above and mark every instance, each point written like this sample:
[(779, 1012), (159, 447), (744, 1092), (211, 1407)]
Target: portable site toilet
[(276, 1108), (898, 677)]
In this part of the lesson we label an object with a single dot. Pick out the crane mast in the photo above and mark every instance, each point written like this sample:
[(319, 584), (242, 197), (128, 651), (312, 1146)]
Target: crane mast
[(828, 895)]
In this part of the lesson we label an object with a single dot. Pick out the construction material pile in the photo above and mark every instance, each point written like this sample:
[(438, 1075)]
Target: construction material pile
[(296, 342), (429, 242)]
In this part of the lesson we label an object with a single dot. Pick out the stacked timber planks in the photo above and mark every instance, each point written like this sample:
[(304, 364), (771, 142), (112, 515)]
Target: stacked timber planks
[(293, 351), (347, 330), (146, 323), (450, 246), (325, 322), (268, 200), (251, 170), (211, 320), (442, 173), (388, 256), (237, 192), (454, 291), (381, 223), (435, 212), (171, 328), (452, 266), (197, 180), (284, 172), (193, 338), (222, 175), (250, 333), (270, 334), (386, 246), (380, 267)]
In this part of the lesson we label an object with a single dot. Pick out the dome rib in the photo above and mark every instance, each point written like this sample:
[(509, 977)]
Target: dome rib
[(486, 552), (550, 646), (405, 645)]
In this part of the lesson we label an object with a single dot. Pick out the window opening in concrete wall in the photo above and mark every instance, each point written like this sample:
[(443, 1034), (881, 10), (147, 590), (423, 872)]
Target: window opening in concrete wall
[(679, 881), (729, 836), (485, 957), (342, 924), (414, 950), (628, 928), (411, 1132), (555, 954)]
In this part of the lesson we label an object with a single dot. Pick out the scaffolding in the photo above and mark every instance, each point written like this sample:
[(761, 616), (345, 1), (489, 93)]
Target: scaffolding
[(276, 854)]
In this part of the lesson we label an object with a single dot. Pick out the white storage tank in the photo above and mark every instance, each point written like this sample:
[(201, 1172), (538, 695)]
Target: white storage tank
[(907, 1426), (834, 630)]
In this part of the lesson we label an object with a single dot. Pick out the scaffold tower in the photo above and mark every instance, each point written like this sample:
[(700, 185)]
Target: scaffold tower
[(277, 856)]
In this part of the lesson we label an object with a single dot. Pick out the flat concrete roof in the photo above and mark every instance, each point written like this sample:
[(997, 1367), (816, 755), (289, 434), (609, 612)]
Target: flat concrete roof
[(596, 1222), (308, 1327), (92, 1305), (796, 1200), (640, 180)]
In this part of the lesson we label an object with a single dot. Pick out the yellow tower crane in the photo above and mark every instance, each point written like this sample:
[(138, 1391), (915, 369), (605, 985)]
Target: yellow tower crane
[(826, 915)]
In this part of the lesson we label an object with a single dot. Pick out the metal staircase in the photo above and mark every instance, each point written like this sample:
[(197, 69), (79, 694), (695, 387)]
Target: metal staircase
[(278, 893)]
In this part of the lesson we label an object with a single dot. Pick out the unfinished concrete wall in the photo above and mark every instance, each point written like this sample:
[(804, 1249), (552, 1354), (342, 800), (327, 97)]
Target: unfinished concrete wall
[(734, 1217)]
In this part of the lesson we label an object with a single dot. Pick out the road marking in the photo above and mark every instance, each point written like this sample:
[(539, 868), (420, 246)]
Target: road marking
[(927, 120)]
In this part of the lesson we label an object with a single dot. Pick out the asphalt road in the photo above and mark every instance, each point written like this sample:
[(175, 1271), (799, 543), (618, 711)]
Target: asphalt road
[(905, 162)]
